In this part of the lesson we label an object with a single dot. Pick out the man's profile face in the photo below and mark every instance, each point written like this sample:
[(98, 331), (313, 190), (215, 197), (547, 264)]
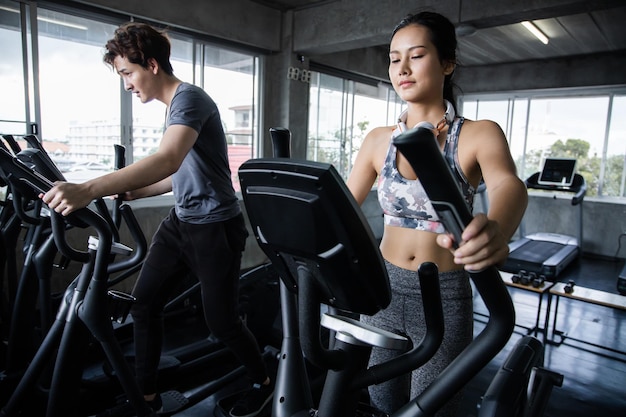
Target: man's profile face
[(137, 79)]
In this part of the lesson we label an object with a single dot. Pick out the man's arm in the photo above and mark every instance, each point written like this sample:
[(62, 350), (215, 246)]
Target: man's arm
[(65, 198), (158, 188)]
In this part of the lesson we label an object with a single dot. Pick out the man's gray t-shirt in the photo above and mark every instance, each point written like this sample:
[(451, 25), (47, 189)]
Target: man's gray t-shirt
[(202, 186)]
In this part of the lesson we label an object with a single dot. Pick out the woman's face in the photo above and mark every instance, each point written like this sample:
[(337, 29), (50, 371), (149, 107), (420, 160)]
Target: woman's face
[(414, 66)]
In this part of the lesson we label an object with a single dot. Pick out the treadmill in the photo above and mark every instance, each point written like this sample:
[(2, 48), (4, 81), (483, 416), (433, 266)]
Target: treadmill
[(547, 253)]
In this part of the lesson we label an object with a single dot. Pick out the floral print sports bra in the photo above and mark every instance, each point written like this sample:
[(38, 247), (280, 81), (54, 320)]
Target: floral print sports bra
[(404, 202)]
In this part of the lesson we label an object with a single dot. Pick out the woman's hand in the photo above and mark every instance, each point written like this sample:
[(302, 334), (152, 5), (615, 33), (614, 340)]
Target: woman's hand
[(483, 244)]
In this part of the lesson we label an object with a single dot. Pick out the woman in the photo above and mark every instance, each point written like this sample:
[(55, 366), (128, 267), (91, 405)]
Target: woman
[(422, 60)]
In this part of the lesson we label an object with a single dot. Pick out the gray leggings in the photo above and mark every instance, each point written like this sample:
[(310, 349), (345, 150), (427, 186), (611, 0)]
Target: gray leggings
[(405, 314)]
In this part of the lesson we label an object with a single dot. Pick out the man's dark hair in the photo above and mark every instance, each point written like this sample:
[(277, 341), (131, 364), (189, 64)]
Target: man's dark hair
[(138, 42)]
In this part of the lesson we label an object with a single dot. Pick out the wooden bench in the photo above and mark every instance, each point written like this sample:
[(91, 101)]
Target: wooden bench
[(586, 295), (507, 278)]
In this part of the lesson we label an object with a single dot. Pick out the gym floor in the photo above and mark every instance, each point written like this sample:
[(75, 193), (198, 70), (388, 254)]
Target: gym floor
[(594, 378)]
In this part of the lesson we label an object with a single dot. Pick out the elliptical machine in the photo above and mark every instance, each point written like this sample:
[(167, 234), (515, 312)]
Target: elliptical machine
[(82, 307), (195, 355), (34, 286), (314, 233)]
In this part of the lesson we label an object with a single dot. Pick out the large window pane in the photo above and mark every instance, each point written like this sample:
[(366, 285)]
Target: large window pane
[(13, 103), (510, 116), (496, 110), (228, 77), (568, 127), (374, 106), (326, 115), (516, 134), (80, 95), (615, 173), (470, 109), (230, 80), (341, 114)]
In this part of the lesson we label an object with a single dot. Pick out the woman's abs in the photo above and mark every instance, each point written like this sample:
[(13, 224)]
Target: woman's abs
[(408, 249)]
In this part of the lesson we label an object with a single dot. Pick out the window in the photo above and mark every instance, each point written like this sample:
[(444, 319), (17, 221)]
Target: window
[(510, 114), (79, 95), (581, 124), (78, 107), (341, 113), (614, 175), (585, 127), (13, 115), (242, 118), (230, 78)]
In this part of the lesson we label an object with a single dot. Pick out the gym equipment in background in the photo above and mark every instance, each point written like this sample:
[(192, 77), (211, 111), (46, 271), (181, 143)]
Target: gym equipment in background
[(548, 253), (201, 366)]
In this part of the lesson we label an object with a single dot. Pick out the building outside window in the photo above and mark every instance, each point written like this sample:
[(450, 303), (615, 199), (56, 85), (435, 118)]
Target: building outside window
[(77, 101)]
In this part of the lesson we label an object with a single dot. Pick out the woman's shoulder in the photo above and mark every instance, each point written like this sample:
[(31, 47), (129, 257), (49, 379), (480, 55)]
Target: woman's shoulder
[(481, 131), (378, 138), (381, 133), (483, 126)]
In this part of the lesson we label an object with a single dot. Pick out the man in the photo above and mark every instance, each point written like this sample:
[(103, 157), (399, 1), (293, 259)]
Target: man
[(204, 233)]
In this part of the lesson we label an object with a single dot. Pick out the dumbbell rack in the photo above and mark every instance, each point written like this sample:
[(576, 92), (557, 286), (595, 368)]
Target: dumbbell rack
[(534, 283)]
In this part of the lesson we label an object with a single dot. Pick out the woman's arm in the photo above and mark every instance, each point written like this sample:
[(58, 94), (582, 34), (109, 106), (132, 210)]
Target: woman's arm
[(486, 238), (365, 170)]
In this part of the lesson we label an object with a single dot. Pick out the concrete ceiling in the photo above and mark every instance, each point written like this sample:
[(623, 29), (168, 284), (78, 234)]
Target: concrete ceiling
[(586, 48), (285, 5), (569, 35), (495, 36)]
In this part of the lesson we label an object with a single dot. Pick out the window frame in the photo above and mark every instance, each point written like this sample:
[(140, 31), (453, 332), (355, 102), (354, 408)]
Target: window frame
[(556, 94), (28, 11)]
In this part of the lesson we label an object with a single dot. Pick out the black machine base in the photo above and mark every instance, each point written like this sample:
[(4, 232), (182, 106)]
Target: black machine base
[(173, 401), (547, 254), (621, 281)]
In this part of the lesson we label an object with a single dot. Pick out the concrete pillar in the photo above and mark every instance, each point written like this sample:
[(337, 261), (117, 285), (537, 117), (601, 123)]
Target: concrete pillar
[(285, 100)]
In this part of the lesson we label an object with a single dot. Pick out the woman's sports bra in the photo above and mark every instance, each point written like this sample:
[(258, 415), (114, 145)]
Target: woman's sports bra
[(404, 202)]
